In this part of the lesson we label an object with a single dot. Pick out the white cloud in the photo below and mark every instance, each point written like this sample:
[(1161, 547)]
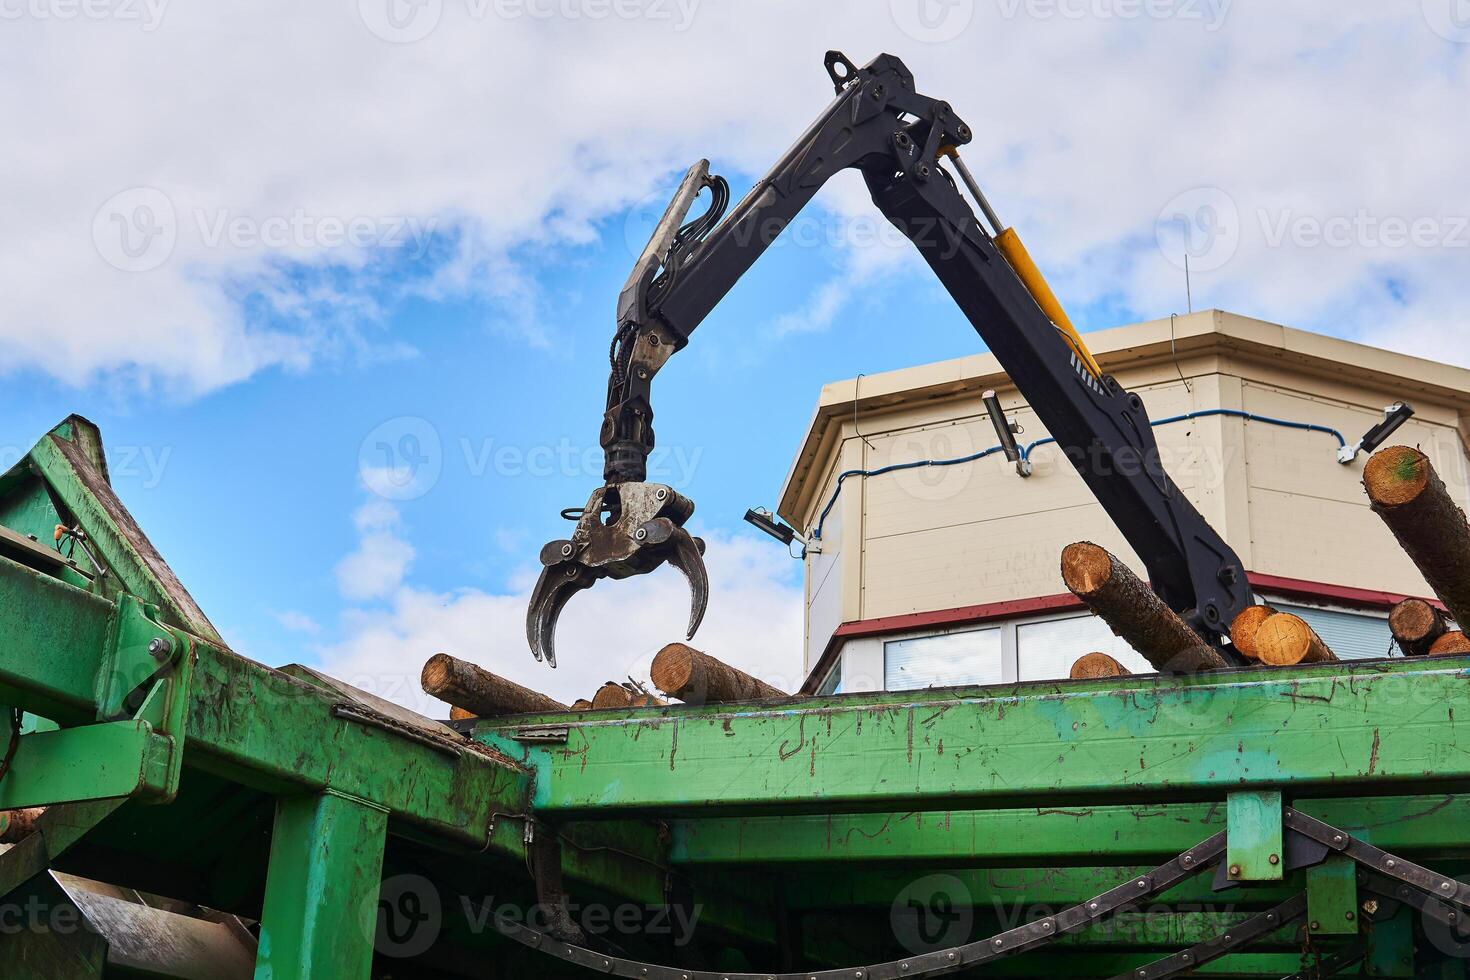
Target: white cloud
[(290, 148), (606, 633), (298, 622), (382, 558)]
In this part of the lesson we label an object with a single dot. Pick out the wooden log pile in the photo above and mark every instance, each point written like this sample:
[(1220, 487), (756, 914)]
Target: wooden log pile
[(1133, 611)]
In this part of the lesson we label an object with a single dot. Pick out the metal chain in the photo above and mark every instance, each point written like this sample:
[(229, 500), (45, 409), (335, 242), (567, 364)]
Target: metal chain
[(1382, 873)]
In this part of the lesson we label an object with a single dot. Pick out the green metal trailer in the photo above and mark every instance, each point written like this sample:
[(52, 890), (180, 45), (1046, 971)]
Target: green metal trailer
[(207, 816)]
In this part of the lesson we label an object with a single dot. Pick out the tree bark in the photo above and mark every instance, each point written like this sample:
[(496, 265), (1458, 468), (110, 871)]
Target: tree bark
[(1133, 611), (612, 695), (1451, 644), (1243, 630), (1098, 665), (693, 677), (1415, 625), (480, 692), (1412, 500), (1283, 640), (581, 704)]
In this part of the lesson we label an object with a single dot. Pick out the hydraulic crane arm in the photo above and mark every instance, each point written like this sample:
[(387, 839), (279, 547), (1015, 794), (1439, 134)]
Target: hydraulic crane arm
[(879, 125)]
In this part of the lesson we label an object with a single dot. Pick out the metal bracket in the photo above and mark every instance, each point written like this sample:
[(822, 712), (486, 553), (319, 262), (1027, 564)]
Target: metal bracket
[(1255, 844), (145, 676)]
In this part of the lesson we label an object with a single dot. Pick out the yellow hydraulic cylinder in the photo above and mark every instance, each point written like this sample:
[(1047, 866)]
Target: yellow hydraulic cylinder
[(1009, 244)]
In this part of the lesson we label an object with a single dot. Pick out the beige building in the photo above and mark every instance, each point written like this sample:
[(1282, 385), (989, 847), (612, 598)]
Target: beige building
[(948, 573)]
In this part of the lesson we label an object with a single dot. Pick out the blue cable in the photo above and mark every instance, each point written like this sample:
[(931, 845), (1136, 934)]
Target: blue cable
[(1026, 450)]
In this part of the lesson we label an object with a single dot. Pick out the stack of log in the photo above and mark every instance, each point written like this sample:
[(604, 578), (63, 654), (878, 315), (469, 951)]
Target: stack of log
[(679, 671), (1403, 489)]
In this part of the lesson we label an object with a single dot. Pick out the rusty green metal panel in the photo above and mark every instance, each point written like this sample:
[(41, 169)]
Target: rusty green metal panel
[(1076, 833), (1255, 836), (1379, 725), (93, 762), (321, 900), (1332, 897)]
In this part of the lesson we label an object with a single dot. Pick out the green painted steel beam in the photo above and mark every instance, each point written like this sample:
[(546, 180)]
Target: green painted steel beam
[(321, 893), (93, 762), (246, 721), (1084, 834), (1372, 727)]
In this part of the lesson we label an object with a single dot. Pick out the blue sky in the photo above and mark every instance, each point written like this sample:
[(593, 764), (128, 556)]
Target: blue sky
[(255, 242)]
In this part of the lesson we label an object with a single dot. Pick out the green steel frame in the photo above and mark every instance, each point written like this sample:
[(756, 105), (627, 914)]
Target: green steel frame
[(811, 833)]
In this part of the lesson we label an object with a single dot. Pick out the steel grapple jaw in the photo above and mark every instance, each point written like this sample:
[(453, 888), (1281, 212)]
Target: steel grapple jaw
[(626, 529)]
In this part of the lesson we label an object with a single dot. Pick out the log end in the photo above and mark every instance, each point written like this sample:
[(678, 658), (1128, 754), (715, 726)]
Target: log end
[(611, 695), (1086, 567), (436, 672), (1453, 643), (581, 704), (1098, 665), (1243, 629), (1285, 639), (1396, 475), (673, 668), (460, 714)]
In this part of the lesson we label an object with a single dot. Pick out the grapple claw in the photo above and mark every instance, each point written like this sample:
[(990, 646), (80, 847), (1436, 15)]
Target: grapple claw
[(642, 528), (557, 584)]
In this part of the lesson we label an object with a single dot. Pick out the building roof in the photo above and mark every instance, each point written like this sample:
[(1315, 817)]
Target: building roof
[(1205, 332)]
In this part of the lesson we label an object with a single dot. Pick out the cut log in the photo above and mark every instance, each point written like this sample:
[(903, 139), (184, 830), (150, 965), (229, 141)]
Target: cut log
[(581, 704), (1098, 665), (1412, 500), (611, 695), (480, 692), (1415, 625), (693, 677), (1243, 630), (1284, 639), (1450, 644), (16, 825), (459, 714), (1133, 611)]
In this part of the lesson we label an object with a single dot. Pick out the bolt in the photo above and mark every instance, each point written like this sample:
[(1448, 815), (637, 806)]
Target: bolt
[(158, 647), (1446, 886), (1349, 916), (1235, 871), (1185, 957), (660, 494), (951, 956), (1092, 906), (1390, 863), (1142, 882), (998, 943), (1187, 860), (567, 550), (1270, 916), (641, 533), (1229, 938), (1274, 859), (1337, 838), (1046, 926), (1316, 925), (922, 170)]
